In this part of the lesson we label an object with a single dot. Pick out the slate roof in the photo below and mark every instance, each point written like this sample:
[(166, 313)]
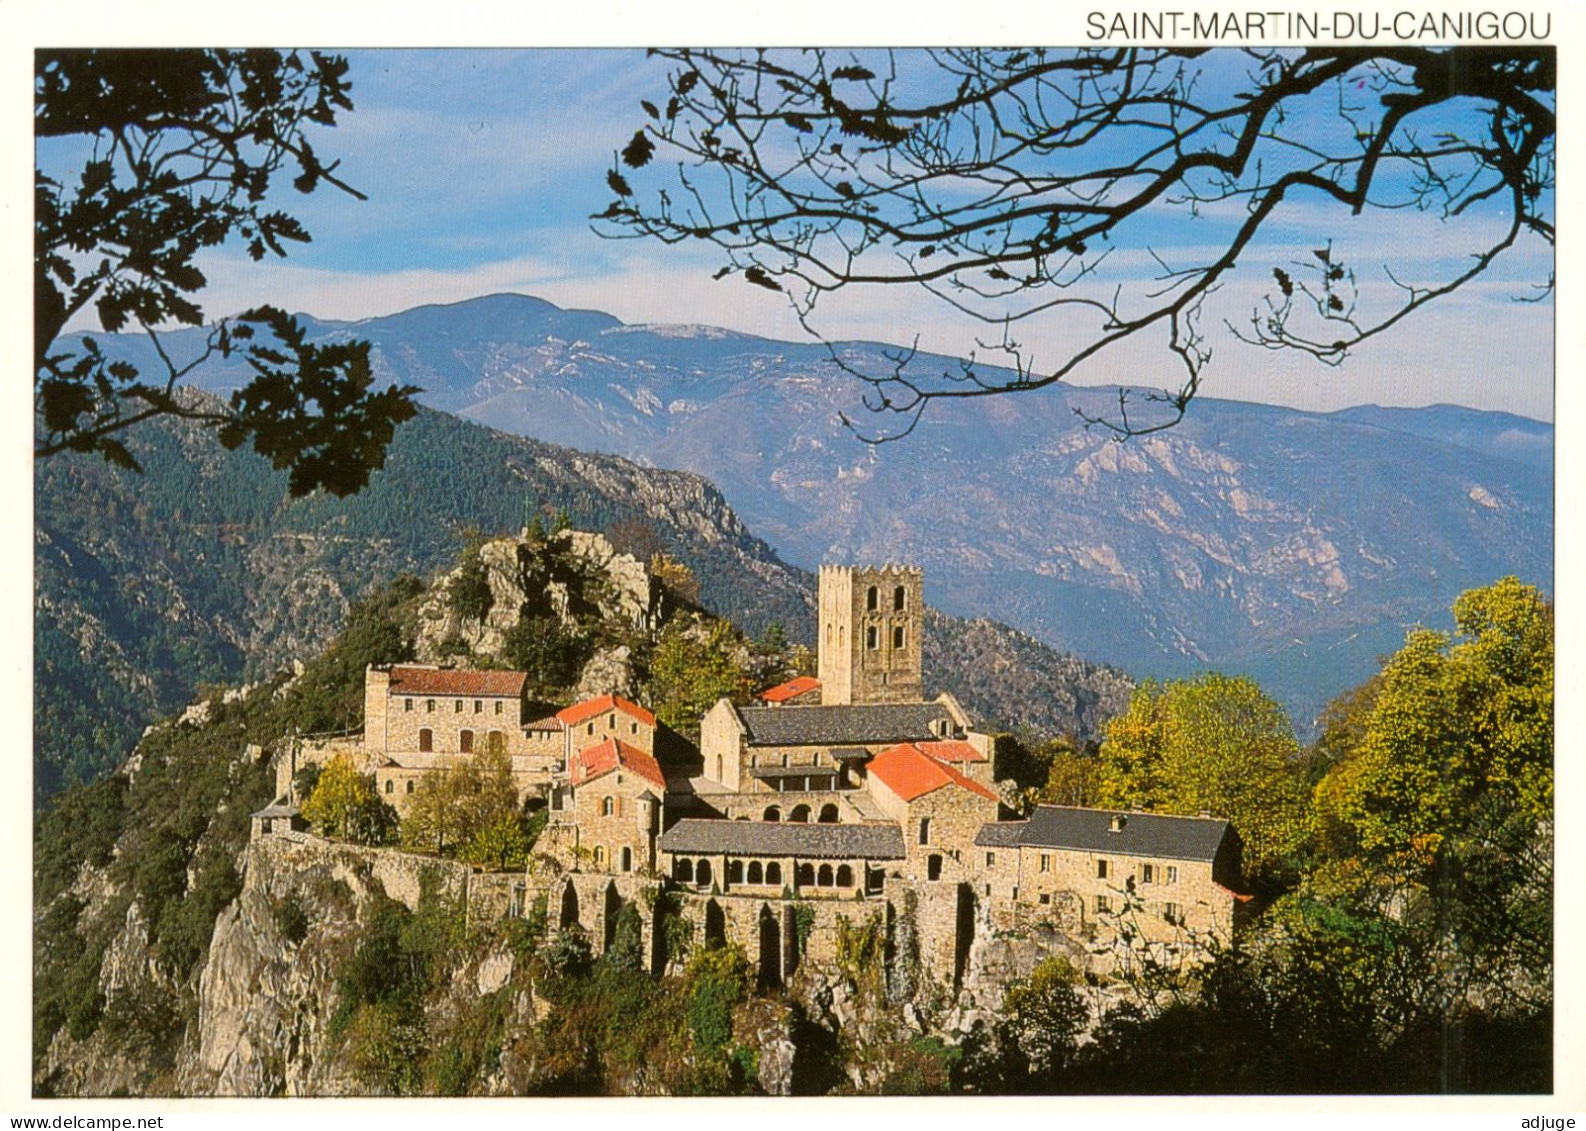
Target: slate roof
[(1000, 834), (603, 757), (277, 809), (417, 680), (910, 774), (852, 724), (765, 838), (792, 689), (589, 708), (1143, 834)]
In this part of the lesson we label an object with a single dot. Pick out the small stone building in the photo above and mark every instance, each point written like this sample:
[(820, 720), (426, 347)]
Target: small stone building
[(1170, 879), (605, 717), (761, 751), (613, 801), (939, 809), (276, 818), (423, 709)]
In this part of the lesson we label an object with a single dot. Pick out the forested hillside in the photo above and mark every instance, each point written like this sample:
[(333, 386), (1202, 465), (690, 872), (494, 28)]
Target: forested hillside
[(203, 570)]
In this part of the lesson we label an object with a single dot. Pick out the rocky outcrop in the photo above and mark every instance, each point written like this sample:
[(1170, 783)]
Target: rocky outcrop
[(574, 575)]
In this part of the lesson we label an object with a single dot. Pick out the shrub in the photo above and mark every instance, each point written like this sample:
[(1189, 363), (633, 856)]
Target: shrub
[(290, 918)]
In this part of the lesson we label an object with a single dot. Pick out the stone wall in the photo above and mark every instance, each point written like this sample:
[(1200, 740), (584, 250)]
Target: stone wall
[(720, 743), (631, 824), (611, 724), (1182, 900), (870, 650), (446, 717), (402, 875)]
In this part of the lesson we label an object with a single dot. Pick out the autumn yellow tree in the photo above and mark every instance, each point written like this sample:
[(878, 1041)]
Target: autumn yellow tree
[(1458, 742), (344, 805), (1216, 744), (470, 810)]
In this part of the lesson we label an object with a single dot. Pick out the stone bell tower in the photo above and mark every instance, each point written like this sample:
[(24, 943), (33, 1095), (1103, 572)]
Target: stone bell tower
[(871, 621)]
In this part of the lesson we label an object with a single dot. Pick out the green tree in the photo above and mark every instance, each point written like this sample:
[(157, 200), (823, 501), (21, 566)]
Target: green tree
[(696, 663), (470, 810), (1072, 779), (1458, 745), (469, 592), (550, 652), (185, 146), (344, 805), (1213, 743), (1042, 1016)]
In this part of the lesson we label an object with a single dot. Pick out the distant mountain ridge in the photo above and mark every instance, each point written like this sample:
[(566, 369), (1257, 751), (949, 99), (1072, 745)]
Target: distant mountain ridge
[(202, 570), (1293, 545)]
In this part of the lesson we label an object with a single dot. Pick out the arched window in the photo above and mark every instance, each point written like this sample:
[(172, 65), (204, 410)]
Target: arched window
[(773, 873), (390, 785), (627, 859), (495, 739), (828, 814), (897, 636), (756, 875), (772, 813), (824, 876), (735, 871), (608, 806), (806, 875), (411, 784), (872, 637), (897, 599), (426, 740), (683, 870), (702, 873), (465, 741), (801, 814), (600, 856), (872, 599), (845, 876), (933, 867)]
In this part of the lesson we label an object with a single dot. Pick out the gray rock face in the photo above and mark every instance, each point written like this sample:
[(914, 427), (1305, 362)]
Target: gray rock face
[(574, 576)]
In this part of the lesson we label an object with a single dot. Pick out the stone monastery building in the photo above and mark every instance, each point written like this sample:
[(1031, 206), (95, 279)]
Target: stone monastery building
[(849, 795)]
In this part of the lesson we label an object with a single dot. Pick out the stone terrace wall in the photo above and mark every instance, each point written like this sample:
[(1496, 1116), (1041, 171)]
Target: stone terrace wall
[(402, 875)]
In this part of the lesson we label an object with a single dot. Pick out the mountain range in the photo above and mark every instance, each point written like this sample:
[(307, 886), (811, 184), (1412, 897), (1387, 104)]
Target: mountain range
[(204, 571), (1292, 546)]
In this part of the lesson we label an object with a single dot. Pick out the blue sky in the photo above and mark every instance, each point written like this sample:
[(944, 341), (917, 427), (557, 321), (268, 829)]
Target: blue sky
[(482, 167)]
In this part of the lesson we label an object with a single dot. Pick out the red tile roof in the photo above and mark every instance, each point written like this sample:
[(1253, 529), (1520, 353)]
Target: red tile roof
[(910, 774), (792, 689), (589, 708), (550, 722), (603, 757), (448, 681), (950, 750)]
